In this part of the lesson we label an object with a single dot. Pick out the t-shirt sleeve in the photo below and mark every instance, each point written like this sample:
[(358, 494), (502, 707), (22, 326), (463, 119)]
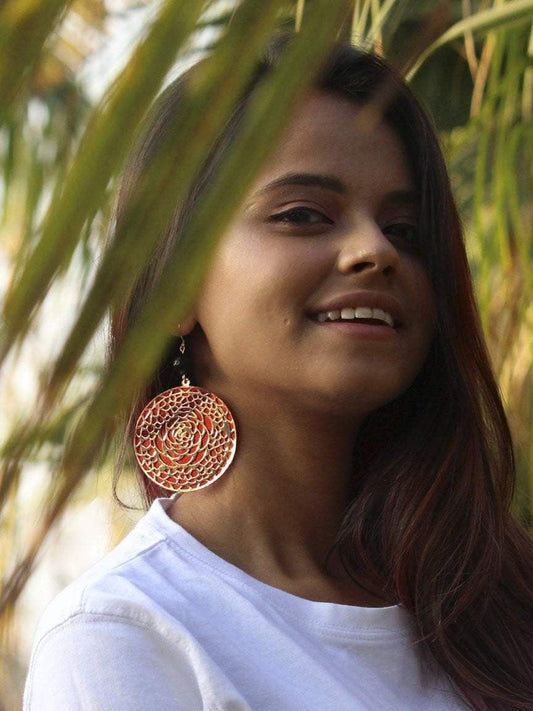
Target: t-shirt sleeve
[(102, 663)]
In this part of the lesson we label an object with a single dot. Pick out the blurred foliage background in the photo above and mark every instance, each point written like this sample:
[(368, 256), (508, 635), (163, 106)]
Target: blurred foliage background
[(76, 79)]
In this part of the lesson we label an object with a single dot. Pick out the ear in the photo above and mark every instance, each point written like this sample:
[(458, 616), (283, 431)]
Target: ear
[(185, 326)]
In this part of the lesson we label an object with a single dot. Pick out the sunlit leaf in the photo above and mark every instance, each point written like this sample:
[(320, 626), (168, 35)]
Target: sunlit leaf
[(101, 153), (483, 21), (224, 78), (24, 28)]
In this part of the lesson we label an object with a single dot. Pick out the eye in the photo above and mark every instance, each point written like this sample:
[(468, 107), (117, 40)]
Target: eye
[(301, 216), (405, 234)]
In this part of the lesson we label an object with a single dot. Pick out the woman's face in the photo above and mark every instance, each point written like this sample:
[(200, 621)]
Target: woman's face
[(317, 294)]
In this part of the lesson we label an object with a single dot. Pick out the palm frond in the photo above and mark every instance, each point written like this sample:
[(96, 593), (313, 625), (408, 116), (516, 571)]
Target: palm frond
[(100, 155), (497, 16), (24, 29)]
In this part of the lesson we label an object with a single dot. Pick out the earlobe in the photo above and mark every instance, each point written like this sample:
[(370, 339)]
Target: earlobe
[(185, 326)]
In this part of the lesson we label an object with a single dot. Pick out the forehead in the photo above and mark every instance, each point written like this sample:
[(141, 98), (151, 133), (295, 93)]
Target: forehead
[(333, 135)]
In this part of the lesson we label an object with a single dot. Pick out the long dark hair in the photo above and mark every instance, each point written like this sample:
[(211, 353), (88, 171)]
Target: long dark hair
[(429, 521)]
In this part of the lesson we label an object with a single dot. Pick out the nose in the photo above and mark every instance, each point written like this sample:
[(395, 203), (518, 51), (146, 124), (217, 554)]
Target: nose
[(365, 248)]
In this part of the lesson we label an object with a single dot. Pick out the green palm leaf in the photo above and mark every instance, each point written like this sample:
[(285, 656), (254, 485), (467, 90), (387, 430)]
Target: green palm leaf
[(483, 21), (100, 155)]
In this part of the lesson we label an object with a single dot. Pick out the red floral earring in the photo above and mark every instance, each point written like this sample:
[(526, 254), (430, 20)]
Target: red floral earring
[(185, 438)]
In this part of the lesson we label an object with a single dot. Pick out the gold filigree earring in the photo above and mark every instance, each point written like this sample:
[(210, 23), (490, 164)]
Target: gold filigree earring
[(185, 438)]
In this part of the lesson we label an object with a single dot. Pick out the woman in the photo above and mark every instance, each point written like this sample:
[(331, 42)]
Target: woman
[(358, 553)]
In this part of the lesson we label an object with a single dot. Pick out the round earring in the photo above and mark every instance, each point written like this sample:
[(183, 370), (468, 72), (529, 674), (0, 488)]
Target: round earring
[(185, 438)]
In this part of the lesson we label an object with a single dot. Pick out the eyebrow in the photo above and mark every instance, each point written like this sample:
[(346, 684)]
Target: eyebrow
[(309, 179), (328, 182)]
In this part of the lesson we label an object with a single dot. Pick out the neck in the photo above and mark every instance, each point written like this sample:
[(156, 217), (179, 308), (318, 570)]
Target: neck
[(294, 469), (276, 512)]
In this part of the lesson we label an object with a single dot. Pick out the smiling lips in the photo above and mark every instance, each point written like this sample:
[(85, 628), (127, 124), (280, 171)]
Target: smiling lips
[(371, 308), (361, 313)]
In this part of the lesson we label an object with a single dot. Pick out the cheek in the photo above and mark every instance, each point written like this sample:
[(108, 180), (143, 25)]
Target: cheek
[(420, 288), (227, 279), (233, 301), (427, 297), (424, 299), (251, 267)]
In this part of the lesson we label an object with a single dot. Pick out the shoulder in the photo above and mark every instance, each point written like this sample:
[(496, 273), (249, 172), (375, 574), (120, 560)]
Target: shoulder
[(115, 659), (129, 585), (113, 638)]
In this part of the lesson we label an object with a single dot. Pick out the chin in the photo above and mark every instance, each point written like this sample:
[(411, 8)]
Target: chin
[(361, 398)]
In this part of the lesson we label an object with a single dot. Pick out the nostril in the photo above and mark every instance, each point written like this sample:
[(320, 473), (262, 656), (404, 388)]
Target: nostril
[(361, 266)]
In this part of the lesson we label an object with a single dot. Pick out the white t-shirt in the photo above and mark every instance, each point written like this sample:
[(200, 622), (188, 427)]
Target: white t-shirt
[(163, 623)]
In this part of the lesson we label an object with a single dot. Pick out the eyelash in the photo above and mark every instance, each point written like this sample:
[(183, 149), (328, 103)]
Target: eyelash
[(399, 230), (405, 233), (291, 216)]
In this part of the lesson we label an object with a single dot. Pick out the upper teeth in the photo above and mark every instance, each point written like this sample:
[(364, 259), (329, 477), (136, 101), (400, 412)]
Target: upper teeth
[(348, 314)]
